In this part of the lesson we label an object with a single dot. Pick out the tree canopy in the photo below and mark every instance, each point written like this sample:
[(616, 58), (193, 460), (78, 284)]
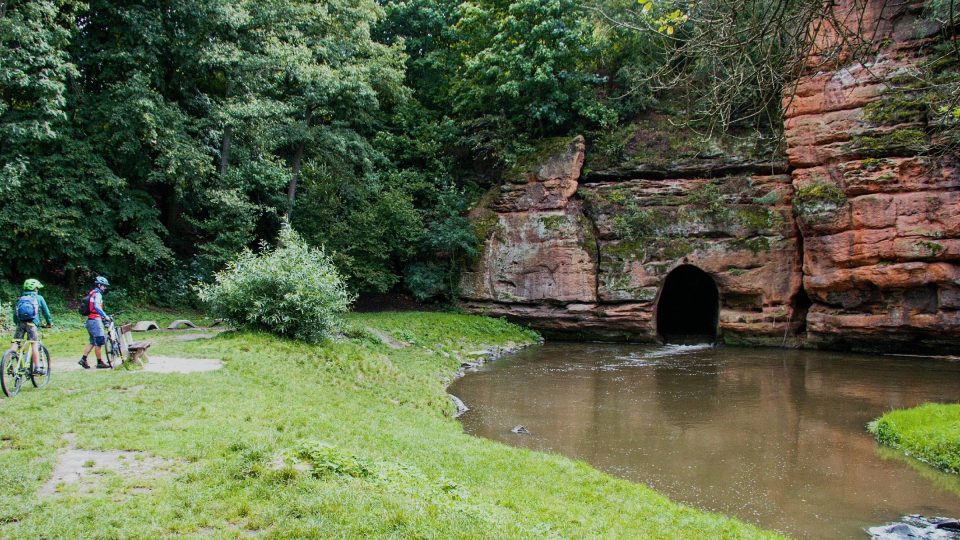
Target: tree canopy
[(152, 140)]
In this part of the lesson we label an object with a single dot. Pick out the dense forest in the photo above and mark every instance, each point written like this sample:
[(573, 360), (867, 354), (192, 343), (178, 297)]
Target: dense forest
[(152, 140)]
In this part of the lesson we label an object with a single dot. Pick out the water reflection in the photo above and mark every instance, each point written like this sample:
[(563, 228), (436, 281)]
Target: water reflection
[(774, 437)]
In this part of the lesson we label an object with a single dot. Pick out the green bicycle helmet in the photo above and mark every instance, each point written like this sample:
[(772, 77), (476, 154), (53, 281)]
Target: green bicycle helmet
[(100, 280), (32, 285)]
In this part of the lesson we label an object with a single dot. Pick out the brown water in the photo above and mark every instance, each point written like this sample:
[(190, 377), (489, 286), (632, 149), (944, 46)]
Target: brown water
[(773, 437)]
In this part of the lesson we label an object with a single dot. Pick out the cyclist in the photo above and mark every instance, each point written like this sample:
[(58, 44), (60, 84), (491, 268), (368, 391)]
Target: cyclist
[(27, 313), (95, 321)]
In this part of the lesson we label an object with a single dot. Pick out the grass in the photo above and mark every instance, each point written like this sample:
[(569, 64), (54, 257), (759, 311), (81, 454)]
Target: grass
[(344, 439), (929, 433)]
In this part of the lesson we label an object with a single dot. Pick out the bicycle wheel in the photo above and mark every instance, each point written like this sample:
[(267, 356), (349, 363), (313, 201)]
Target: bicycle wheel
[(11, 376), (39, 381), (114, 353)]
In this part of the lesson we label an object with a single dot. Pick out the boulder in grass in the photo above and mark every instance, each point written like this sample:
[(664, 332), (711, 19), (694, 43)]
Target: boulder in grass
[(143, 326), (181, 324)]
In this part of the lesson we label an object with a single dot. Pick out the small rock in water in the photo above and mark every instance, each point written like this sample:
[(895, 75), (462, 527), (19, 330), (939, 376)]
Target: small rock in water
[(520, 430), (916, 526)]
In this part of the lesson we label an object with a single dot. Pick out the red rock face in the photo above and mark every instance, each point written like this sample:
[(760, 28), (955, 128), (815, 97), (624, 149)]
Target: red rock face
[(590, 258), (853, 242), (882, 227)]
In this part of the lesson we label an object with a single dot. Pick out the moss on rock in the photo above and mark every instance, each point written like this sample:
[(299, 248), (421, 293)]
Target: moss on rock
[(818, 198), (908, 141)]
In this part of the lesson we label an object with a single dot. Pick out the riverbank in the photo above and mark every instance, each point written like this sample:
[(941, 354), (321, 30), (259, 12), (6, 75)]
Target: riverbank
[(929, 433), (349, 439)]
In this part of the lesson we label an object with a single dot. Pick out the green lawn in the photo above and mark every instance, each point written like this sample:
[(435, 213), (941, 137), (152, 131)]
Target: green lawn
[(399, 466), (930, 433)]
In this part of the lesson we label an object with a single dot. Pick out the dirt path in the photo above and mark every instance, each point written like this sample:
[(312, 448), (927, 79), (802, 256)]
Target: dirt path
[(157, 364), (86, 468)]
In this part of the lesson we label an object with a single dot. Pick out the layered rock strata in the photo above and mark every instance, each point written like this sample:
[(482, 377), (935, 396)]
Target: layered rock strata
[(588, 257), (877, 200), (850, 240)]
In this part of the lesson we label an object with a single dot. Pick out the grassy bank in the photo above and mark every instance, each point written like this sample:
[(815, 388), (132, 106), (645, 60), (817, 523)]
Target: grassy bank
[(346, 439), (929, 433)]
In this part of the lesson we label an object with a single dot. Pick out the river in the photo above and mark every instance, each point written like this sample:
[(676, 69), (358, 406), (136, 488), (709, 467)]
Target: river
[(774, 437)]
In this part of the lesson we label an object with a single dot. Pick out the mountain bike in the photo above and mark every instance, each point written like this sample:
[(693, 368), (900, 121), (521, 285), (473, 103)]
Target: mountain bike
[(17, 365), (114, 346)]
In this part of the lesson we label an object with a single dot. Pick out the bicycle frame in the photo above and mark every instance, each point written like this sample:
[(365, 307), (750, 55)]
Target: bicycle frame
[(25, 351), (17, 365)]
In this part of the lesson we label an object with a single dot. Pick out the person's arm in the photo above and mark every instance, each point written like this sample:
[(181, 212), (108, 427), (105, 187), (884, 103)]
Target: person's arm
[(45, 310), (98, 306)]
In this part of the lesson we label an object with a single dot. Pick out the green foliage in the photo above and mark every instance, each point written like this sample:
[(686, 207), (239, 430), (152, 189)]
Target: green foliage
[(189, 121), (368, 227), (554, 223), (895, 109), (529, 58), (326, 459), (759, 219), (930, 433), (6, 320), (710, 199), (425, 280), (293, 290), (34, 36)]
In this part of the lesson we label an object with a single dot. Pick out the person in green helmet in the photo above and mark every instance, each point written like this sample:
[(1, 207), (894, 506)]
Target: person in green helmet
[(26, 312)]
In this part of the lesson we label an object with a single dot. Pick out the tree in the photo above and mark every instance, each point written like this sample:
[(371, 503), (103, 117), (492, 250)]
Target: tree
[(528, 61), (34, 35)]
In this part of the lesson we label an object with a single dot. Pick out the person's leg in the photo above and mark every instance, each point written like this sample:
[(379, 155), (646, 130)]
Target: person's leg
[(21, 330), (36, 355), (31, 334), (91, 333), (100, 362)]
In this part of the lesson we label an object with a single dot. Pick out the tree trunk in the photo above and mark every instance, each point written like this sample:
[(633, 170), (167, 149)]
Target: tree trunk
[(292, 190), (297, 164), (225, 151), (227, 133)]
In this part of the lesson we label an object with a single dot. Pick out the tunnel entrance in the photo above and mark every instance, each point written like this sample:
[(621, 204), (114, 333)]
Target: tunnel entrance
[(689, 307)]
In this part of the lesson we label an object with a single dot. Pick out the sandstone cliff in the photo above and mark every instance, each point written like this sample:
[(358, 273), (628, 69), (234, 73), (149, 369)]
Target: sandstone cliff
[(851, 239), (877, 203), (589, 256)]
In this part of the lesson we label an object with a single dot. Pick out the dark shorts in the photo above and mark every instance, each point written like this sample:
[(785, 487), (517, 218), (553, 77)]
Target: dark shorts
[(26, 328), (95, 329)]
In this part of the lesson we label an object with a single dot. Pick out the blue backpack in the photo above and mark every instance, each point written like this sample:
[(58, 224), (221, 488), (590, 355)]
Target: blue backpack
[(27, 308)]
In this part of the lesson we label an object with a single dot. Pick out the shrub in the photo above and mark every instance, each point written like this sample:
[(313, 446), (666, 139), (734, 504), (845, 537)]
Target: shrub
[(293, 291), (425, 280), (6, 317)]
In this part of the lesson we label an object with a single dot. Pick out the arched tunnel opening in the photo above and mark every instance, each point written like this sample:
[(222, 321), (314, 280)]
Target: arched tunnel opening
[(688, 310)]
